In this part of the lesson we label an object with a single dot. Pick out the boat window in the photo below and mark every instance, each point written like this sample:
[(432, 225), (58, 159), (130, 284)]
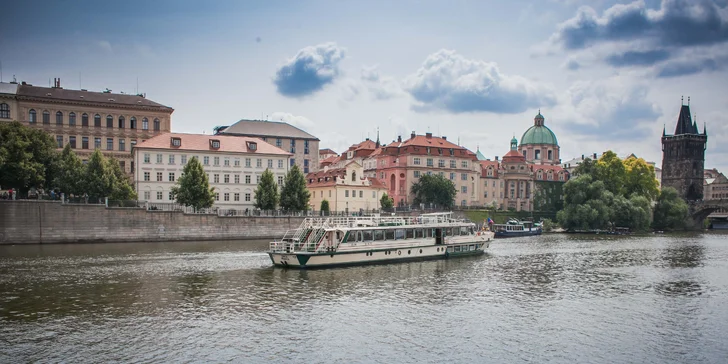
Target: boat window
[(410, 234), (419, 233), (463, 230), (399, 234), (367, 235), (457, 248), (472, 247), (429, 232), (378, 235), (389, 234), (447, 232), (359, 236), (449, 249)]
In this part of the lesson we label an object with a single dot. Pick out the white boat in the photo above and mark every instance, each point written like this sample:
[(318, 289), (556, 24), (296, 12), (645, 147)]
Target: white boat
[(339, 241)]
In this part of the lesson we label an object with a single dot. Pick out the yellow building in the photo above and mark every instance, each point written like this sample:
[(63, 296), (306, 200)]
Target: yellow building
[(346, 189)]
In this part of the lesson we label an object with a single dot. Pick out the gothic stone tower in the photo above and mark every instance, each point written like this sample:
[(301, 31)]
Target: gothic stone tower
[(683, 157)]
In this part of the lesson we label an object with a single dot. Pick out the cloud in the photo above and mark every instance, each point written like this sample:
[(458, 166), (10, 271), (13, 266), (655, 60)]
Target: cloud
[(676, 23), (450, 82), (380, 87), (572, 65), (310, 70), (637, 58), (692, 65), (301, 122), (105, 45)]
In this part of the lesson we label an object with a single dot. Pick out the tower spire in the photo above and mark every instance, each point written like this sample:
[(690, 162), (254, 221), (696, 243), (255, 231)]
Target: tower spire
[(378, 144)]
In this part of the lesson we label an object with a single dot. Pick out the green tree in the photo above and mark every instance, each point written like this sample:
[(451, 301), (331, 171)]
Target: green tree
[(294, 194), (586, 205), (611, 170), (587, 166), (325, 207), (266, 195), (193, 188), (28, 157), (121, 188), (671, 212), (98, 177), (434, 189), (640, 179), (548, 196), (70, 178), (386, 201)]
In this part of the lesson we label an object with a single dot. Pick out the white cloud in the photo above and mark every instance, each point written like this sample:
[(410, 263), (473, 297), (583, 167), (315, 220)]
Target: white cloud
[(380, 87), (309, 70)]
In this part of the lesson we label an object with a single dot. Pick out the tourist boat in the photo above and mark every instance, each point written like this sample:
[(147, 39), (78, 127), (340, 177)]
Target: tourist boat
[(515, 227), (339, 241)]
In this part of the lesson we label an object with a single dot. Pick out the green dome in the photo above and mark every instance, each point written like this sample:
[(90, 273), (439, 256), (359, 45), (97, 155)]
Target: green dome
[(514, 140), (539, 134)]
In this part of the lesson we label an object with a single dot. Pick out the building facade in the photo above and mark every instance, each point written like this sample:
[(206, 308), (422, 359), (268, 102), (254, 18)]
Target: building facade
[(539, 144), (683, 157), (346, 189), (234, 166), (87, 120), (303, 146)]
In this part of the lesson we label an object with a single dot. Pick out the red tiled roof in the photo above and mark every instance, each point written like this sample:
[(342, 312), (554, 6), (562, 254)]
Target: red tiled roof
[(418, 145), (377, 183), (513, 156), (312, 179), (326, 151), (484, 168), (201, 142)]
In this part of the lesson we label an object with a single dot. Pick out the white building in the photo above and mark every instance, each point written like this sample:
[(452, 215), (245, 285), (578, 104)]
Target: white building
[(233, 165)]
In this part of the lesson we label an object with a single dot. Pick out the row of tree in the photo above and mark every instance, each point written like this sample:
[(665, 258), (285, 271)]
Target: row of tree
[(29, 159), (611, 192)]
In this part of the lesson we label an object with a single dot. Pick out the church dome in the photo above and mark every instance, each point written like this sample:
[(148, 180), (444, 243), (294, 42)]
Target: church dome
[(539, 133)]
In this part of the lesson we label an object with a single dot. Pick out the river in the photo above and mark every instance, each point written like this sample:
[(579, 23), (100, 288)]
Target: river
[(554, 298)]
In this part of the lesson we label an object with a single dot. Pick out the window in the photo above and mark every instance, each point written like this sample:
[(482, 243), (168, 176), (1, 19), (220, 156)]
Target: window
[(171, 176), (72, 119), (226, 162), (280, 164), (346, 193), (257, 178), (109, 143), (416, 161), (159, 159), (4, 111), (550, 155), (237, 179), (464, 164), (122, 145), (278, 142), (293, 146), (247, 197), (216, 161), (84, 120), (171, 196), (146, 176), (537, 154), (206, 160), (453, 163), (226, 196), (464, 189), (417, 174), (216, 178), (259, 163), (270, 163), (361, 194), (452, 176), (247, 162), (132, 123), (429, 162), (97, 143), (486, 194), (305, 147), (280, 180), (247, 179), (59, 141), (159, 176), (33, 118), (84, 143), (171, 159), (157, 125), (176, 142), (217, 196), (464, 176), (145, 124), (147, 195), (305, 166), (293, 161), (146, 158), (183, 159), (236, 197), (46, 117), (159, 195), (226, 178), (109, 121), (122, 122), (236, 161), (97, 120), (441, 163)]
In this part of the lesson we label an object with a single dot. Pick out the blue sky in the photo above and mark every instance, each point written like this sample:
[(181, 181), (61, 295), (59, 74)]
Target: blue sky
[(605, 74)]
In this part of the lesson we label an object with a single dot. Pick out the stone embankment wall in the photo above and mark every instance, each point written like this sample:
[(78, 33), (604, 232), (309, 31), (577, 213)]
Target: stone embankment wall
[(41, 222)]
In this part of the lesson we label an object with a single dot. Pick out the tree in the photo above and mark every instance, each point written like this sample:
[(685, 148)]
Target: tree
[(586, 205), (434, 189), (70, 177), (294, 194), (386, 201), (98, 177), (193, 188), (121, 188), (671, 212), (325, 207), (610, 170), (640, 179), (548, 196), (28, 157), (266, 195), (587, 166)]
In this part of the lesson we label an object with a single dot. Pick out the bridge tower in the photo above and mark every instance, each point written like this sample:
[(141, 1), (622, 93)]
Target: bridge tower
[(683, 157)]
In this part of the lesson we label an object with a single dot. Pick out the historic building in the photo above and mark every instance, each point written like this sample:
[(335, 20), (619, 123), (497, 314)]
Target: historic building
[(683, 157), (303, 146), (233, 165), (87, 120), (346, 188), (539, 144)]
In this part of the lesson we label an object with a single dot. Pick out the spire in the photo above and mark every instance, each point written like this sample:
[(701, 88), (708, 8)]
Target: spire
[(378, 144), (664, 132), (685, 123), (705, 128)]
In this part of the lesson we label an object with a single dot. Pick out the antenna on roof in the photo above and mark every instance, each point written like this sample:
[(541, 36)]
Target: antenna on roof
[(682, 100), (688, 100)]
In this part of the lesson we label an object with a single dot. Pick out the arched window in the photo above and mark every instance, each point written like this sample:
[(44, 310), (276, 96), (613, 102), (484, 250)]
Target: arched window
[(84, 120), (353, 176), (33, 118), (4, 111), (132, 123), (46, 117), (156, 125), (145, 124), (59, 118), (97, 120), (109, 121), (551, 154), (537, 154), (539, 175), (72, 119), (550, 176), (122, 121)]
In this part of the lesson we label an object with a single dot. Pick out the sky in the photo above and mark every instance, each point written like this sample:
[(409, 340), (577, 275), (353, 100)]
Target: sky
[(606, 75)]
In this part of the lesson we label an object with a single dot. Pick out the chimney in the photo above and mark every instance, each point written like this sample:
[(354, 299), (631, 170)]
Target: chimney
[(413, 135), (595, 156), (58, 83), (428, 135), (444, 137), (399, 138), (582, 157), (496, 158)]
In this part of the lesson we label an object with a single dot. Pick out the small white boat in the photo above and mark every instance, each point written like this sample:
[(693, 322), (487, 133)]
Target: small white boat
[(338, 241)]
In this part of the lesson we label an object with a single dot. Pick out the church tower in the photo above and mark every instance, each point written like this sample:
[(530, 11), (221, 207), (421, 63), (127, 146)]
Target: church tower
[(683, 157)]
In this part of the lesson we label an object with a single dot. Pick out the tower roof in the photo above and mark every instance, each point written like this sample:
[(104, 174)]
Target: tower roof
[(539, 133), (685, 124)]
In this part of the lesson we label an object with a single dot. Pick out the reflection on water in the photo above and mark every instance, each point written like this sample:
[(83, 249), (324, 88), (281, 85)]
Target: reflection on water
[(555, 298)]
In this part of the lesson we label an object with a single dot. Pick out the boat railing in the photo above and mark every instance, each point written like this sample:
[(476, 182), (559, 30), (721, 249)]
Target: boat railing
[(333, 222)]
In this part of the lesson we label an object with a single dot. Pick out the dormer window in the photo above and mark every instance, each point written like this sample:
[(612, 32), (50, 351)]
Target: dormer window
[(252, 146), (176, 142), (214, 144)]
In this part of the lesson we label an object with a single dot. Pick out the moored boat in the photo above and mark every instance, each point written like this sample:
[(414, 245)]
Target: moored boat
[(515, 228), (339, 241)]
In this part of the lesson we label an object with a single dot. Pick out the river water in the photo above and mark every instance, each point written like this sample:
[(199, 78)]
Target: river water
[(554, 298)]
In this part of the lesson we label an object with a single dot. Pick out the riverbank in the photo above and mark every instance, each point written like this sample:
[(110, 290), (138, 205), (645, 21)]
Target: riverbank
[(50, 222)]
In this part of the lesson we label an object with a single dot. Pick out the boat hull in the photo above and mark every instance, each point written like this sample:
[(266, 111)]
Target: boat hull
[(515, 234), (362, 257)]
